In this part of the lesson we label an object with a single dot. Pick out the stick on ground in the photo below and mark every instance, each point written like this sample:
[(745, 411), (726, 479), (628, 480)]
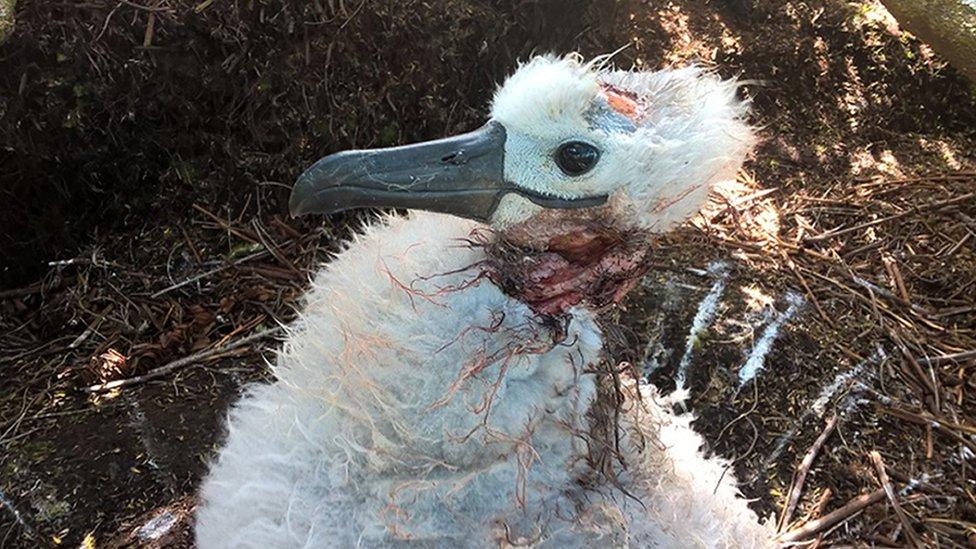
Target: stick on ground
[(156, 373), (814, 527), (801, 472), (910, 532)]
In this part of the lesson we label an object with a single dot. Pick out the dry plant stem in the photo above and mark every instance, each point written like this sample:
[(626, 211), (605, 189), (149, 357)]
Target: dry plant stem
[(801, 473), (950, 429), (806, 287), (182, 362), (955, 357), (145, 8), (814, 527), (900, 282), (239, 232), (920, 374), (889, 490), (817, 512), (929, 419), (929, 443), (213, 271), (273, 247), (22, 292), (821, 504), (733, 205), (927, 207)]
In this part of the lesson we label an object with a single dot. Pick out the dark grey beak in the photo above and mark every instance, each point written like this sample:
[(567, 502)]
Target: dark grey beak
[(462, 175)]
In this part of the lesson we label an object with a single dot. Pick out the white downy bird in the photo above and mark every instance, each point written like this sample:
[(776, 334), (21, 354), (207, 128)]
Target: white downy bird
[(445, 384)]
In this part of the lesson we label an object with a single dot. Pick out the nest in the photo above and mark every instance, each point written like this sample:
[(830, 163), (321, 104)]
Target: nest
[(886, 263), (104, 250)]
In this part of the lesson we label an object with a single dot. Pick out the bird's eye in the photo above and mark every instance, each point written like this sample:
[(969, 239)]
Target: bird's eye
[(576, 157)]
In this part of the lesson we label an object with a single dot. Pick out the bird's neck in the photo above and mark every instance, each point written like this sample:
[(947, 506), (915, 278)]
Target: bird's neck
[(586, 264)]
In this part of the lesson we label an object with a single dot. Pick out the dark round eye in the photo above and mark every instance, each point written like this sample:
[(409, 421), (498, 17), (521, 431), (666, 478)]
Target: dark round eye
[(576, 157)]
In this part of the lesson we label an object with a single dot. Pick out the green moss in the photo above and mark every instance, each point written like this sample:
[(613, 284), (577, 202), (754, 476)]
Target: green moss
[(36, 451), (50, 509), (244, 249), (185, 171), (6, 18), (73, 119)]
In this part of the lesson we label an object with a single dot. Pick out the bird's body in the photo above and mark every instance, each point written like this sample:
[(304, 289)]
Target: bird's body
[(442, 388)]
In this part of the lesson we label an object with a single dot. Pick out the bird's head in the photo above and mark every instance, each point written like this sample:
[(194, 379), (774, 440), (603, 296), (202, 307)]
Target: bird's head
[(572, 151)]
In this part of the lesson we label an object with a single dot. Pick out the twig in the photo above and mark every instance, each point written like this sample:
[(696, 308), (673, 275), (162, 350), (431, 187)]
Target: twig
[(801, 473), (955, 247), (22, 292), (875, 180), (45, 348), (859, 226), (951, 429), (182, 362), (955, 357), (108, 19), (821, 504), (814, 527), (891, 267), (806, 287), (213, 271), (817, 511), (731, 205), (916, 367), (890, 492), (354, 13), (91, 327), (886, 293), (150, 30), (956, 311), (270, 245), (241, 233)]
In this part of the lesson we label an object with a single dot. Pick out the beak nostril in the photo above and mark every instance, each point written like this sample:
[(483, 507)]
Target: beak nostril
[(453, 158)]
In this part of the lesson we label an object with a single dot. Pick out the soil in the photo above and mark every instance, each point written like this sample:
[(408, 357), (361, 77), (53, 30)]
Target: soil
[(144, 145)]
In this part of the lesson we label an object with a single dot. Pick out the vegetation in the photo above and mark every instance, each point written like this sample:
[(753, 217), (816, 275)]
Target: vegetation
[(147, 149)]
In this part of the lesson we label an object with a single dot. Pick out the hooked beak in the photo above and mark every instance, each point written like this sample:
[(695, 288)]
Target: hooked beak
[(462, 175)]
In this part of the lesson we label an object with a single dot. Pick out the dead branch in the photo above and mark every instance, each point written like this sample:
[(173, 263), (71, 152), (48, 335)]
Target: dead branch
[(814, 527)]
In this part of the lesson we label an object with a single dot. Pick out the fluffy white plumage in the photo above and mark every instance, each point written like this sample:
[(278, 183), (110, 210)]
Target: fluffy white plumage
[(416, 404), (689, 135)]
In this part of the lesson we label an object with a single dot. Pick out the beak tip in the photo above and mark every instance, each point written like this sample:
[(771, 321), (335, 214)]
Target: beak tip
[(297, 210), (294, 208), (297, 205)]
